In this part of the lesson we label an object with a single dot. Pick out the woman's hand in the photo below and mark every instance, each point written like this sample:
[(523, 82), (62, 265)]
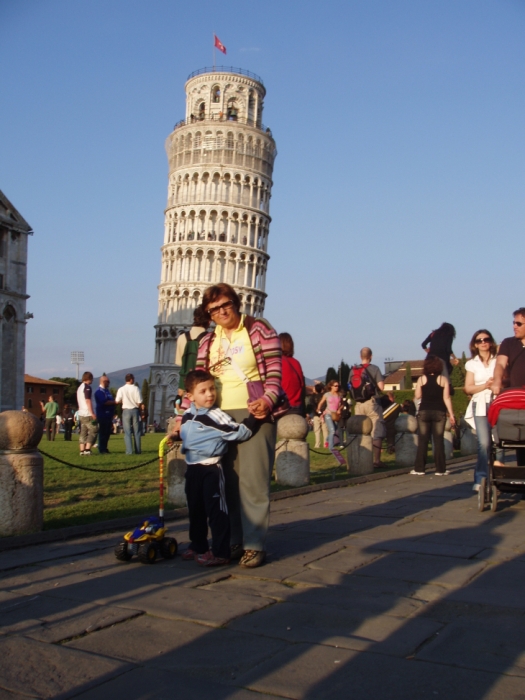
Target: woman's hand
[(452, 419), (259, 409)]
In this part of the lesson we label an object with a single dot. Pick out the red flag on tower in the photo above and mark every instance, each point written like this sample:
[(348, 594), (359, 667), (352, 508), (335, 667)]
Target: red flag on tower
[(219, 45)]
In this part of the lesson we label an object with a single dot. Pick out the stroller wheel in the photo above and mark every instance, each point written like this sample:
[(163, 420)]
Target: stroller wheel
[(482, 494), (494, 499), (121, 552)]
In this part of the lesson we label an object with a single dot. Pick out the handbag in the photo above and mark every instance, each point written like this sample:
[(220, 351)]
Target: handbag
[(336, 415)]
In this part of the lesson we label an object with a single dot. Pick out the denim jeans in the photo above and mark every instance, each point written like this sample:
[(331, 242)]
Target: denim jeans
[(484, 437), (331, 430), (431, 423), (131, 424)]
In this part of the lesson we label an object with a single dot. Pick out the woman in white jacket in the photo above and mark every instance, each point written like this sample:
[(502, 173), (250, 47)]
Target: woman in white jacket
[(478, 383)]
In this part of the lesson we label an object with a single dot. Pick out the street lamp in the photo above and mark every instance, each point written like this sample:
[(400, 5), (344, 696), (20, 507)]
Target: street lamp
[(77, 358)]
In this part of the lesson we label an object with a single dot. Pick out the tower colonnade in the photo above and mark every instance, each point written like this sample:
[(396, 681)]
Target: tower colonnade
[(217, 219)]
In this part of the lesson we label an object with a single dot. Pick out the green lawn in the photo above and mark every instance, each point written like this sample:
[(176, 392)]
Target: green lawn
[(75, 497)]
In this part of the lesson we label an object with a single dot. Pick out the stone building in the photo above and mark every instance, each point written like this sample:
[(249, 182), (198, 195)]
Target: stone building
[(217, 219), (37, 392), (14, 231)]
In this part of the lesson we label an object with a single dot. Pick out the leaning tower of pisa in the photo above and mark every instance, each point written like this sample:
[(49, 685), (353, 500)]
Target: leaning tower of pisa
[(217, 218)]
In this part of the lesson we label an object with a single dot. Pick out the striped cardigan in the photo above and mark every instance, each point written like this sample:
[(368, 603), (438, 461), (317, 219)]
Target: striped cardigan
[(267, 350)]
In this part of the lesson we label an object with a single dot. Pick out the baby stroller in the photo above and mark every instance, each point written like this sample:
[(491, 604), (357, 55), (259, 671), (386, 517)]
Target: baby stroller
[(507, 417)]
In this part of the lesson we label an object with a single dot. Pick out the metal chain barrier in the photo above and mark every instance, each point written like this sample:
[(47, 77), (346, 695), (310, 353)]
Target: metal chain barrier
[(107, 471)]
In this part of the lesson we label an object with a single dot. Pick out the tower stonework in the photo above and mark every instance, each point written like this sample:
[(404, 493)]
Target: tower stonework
[(217, 218)]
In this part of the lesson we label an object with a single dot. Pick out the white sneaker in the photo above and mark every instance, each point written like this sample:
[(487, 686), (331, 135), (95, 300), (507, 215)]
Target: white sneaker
[(446, 473), (417, 473), (475, 487)]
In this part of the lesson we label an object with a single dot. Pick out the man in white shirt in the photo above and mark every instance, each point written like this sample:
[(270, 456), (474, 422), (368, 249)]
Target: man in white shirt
[(86, 414), (130, 397)]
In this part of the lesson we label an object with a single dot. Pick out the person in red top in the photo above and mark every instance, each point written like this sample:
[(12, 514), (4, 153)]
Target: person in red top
[(293, 378)]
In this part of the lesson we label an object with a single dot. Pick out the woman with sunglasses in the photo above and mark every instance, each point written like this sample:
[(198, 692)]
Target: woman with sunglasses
[(478, 384), (244, 353), (331, 414)]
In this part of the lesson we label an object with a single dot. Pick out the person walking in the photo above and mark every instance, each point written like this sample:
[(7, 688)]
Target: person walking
[(243, 353), (366, 384), (433, 390), (105, 411), (51, 409), (317, 422), (478, 382), (130, 397), (330, 408)]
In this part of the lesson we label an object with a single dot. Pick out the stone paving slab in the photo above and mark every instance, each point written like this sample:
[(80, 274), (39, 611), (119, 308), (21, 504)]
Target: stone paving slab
[(445, 571), (183, 647), (308, 672), (250, 586), (43, 670), (496, 643), (52, 620), (502, 584), (211, 608), (345, 560), (341, 525), (349, 629), (424, 547), (157, 684)]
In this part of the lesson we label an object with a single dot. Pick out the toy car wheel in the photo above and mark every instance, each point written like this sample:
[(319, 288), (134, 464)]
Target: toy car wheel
[(482, 493), (168, 547), (121, 552), (147, 553), (494, 500)]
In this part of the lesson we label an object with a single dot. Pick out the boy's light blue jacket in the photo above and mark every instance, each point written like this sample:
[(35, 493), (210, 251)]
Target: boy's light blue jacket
[(205, 433)]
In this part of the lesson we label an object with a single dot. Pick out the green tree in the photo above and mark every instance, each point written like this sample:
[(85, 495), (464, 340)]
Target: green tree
[(458, 374), (331, 374), (408, 376), (70, 391)]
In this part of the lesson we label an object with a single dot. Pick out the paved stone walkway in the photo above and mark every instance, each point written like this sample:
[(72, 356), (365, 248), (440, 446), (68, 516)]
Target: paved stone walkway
[(395, 589)]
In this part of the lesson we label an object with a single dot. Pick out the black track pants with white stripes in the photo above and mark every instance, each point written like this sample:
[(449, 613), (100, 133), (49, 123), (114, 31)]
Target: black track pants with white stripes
[(207, 503)]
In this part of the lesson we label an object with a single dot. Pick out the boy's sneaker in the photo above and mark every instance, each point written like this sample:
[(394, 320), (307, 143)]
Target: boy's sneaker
[(86, 452), (209, 559), (189, 555), (414, 473), (445, 473)]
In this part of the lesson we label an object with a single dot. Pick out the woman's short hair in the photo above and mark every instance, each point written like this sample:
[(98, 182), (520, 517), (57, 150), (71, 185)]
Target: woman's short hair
[(200, 317), (220, 290), (433, 365), (474, 349), (286, 344)]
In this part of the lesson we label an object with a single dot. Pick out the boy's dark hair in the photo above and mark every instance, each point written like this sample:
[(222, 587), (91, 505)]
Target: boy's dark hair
[(88, 376), (194, 377)]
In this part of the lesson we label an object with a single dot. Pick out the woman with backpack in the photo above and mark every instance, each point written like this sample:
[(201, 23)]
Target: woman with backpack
[(293, 378), (332, 412), (243, 353)]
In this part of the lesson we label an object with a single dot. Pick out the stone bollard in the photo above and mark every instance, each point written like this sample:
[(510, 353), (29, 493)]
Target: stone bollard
[(359, 451), (469, 441), (176, 468), (406, 440), (449, 440), (21, 474), (292, 462)]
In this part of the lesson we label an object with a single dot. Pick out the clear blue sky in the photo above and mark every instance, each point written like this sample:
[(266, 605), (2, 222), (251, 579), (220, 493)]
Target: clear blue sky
[(398, 199)]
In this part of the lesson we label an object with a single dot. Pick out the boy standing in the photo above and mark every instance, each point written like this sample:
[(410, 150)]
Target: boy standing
[(205, 433)]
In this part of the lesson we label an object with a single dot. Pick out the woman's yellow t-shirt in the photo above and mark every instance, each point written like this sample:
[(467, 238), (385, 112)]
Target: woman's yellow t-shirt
[(231, 389)]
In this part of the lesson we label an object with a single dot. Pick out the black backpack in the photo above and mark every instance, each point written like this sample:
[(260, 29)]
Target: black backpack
[(361, 385)]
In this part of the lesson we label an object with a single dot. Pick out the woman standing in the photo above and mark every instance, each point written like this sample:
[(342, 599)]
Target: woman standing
[(478, 383), (293, 377), (243, 353), (433, 390), (439, 343), (332, 413), (68, 418)]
